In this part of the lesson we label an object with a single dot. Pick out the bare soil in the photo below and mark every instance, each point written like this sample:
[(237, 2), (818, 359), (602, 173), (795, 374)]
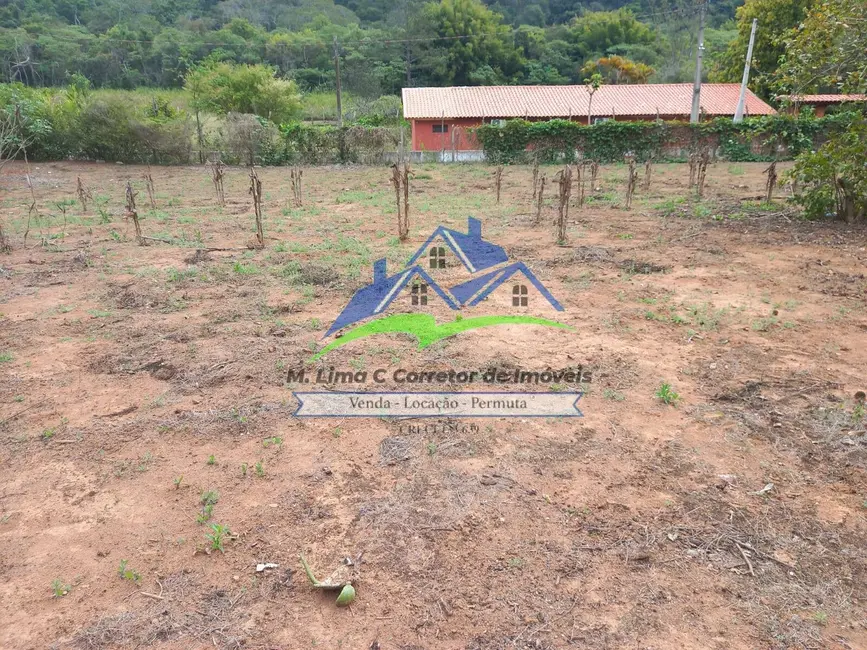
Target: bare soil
[(133, 379)]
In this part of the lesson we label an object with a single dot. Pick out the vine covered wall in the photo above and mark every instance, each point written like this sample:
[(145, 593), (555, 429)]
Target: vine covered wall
[(755, 139)]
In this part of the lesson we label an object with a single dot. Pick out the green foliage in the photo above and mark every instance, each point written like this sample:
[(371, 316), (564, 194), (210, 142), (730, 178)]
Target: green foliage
[(210, 498), (485, 54), (75, 123), (833, 179), (561, 140), (217, 535), (828, 52), (128, 574), (596, 32), (666, 394), (60, 588), (328, 144), (778, 19), (227, 87), (157, 43)]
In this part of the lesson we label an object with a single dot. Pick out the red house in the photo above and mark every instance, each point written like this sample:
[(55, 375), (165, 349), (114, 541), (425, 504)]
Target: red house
[(442, 118)]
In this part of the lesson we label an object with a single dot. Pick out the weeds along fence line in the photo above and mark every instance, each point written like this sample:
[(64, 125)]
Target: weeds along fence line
[(82, 125), (75, 124), (756, 139)]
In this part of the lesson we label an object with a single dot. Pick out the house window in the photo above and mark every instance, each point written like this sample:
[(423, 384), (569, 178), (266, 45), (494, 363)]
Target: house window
[(438, 257), (600, 120), (440, 128), (419, 294), (519, 295)]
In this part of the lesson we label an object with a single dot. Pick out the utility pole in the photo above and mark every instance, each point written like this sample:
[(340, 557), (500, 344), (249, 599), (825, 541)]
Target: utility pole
[(337, 83), (696, 86), (739, 111)]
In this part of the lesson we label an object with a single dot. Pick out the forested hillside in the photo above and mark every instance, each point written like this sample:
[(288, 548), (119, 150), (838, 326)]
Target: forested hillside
[(384, 44)]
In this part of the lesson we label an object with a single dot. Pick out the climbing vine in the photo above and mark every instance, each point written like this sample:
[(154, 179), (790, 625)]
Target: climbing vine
[(760, 138)]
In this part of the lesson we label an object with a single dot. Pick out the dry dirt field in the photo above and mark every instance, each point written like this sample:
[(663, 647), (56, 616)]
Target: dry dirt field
[(137, 382)]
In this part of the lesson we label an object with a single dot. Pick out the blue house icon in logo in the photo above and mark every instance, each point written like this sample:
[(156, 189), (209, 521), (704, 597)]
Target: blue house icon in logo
[(486, 264)]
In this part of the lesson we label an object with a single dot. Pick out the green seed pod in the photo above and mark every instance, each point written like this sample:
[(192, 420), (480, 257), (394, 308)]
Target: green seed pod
[(347, 595)]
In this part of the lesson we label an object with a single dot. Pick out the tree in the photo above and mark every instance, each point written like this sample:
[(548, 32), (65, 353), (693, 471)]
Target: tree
[(473, 37), (227, 87), (592, 84), (778, 20), (619, 70), (827, 52), (596, 32)]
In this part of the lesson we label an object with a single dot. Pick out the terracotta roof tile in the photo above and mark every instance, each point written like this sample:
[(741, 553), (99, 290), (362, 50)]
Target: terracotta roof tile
[(824, 99), (562, 101)]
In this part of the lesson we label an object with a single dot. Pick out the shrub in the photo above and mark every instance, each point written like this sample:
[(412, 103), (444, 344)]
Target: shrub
[(833, 179), (113, 128), (325, 144), (249, 137), (230, 88)]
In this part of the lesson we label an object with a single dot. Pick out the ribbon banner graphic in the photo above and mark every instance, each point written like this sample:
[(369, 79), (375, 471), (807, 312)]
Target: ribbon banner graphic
[(437, 405)]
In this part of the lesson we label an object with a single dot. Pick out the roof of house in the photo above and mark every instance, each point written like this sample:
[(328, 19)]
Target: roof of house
[(472, 250), (824, 99), (564, 101), (474, 291), (378, 295)]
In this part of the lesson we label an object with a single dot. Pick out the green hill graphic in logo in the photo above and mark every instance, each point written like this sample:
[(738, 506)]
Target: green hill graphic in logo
[(487, 268)]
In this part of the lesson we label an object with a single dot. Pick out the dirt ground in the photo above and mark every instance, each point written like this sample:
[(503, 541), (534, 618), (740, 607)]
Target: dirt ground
[(143, 399)]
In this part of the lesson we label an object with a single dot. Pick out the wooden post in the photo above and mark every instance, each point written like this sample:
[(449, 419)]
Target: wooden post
[(400, 179), (149, 184), (703, 160), (217, 173), (452, 133), (631, 180), (565, 182), (132, 214), (84, 194), (443, 137), (771, 171), (256, 192), (539, 199), (535, 172), (407, 173), (295, 177), (337, 83)]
